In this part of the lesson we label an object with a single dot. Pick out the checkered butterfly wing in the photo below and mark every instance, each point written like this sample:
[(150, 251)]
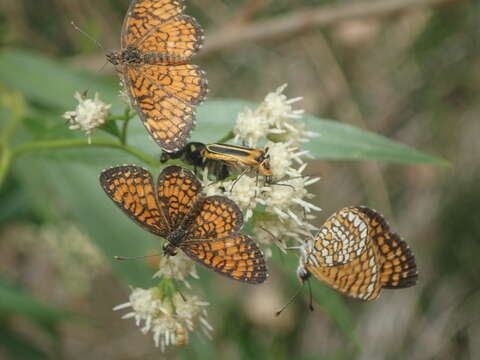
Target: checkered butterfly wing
[(214, 240), (131, 188)]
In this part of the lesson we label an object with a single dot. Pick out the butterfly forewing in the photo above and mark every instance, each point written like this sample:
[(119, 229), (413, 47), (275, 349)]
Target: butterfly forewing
[(398, 267), (180, 36), (235, 256), (144, 15), (218, 217), (178, 191), (131, 189)]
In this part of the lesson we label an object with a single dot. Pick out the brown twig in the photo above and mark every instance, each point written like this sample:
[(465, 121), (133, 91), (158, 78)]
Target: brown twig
[(300, 21)]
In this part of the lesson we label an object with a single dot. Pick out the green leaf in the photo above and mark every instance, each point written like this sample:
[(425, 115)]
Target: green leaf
[(339, 141), (51, 83), (72, 190), (336, 141), (26, 72)]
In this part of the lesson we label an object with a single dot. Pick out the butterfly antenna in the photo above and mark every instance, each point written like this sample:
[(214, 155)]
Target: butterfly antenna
[(175, 282), (117, 257), (88, 36), (273, 237), (278, 313), (310, 296), (280, 184)]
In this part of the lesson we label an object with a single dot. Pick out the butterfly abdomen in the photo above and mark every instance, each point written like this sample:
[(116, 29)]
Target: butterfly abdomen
[(157, 58)]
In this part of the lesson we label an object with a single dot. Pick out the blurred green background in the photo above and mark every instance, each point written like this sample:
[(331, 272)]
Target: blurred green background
[(408, 70)]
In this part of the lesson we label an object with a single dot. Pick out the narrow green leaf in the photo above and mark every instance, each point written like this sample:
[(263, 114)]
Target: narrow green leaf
[(27, 72), (336, 141), (50, 82)]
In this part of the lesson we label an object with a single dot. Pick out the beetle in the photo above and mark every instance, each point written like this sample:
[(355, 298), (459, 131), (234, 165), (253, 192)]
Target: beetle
[(221, 158)]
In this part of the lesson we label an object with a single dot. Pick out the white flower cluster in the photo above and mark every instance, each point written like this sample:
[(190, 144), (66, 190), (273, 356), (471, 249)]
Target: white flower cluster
[(176, 267), (284, 202), (276, 118), (168, 318), (88, 115)]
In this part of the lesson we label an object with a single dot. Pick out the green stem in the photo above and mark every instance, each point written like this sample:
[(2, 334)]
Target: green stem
[(116, 117), (5, 163), (123, 135), (227, 137), (16, 105), (63, 144)]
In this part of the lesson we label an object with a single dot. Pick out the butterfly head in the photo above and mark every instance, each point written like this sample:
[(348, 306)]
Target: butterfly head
[(169, 249), (302, 273), (130, 55), (114, 57)]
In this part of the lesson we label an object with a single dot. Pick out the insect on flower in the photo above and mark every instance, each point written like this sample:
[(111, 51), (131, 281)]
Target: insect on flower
[(356, 253), (157, 41), (206, 229), (221, 158)]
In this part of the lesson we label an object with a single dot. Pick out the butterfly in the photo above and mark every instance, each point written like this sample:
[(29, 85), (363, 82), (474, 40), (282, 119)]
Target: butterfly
[(356, 253), (207, 229), (157, 41)]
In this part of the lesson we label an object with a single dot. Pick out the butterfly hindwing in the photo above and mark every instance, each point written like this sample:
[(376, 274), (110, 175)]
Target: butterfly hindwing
[(235, 256)]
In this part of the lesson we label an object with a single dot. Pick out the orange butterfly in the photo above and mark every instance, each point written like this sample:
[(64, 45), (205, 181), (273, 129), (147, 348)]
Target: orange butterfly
[(157, 41), (356, 253), (207, 229)]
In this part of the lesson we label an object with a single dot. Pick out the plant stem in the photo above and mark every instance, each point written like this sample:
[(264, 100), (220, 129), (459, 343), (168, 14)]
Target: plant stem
[(123, 135), (15, 103), (227, 137), (5, 162), (63, 144)]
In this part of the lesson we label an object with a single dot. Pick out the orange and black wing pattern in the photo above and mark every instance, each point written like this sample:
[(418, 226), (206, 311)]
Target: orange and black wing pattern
[(356, 254), (218, 217), (180, 37), (178, 192), (398, 267), (131, 188), (213, 240), (161, 86), (168, 118), (144, 16), (358, 278), (343, 237), (235, 256)]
